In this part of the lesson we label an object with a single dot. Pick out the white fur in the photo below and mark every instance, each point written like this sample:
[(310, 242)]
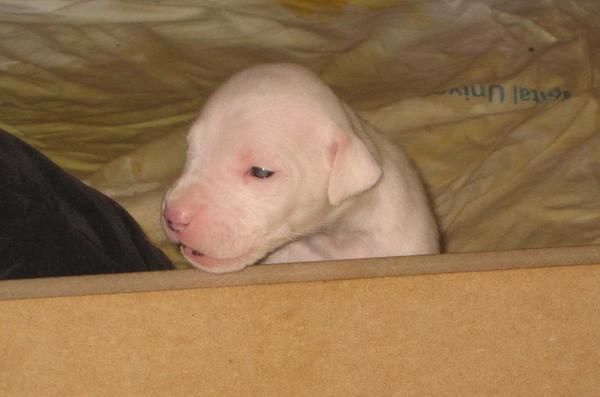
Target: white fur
[(340, 190)]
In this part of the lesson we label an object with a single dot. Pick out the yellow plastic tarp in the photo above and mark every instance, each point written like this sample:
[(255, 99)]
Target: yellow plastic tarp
[(496, 102)]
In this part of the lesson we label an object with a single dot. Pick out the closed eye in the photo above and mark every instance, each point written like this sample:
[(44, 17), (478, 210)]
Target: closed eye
[(261, 172)]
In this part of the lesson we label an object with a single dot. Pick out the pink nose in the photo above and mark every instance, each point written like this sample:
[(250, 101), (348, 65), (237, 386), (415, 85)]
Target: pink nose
[(177, 220)]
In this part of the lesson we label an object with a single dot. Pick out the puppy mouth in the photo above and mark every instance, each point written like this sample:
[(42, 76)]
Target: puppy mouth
[(214, 264), (193, 251)]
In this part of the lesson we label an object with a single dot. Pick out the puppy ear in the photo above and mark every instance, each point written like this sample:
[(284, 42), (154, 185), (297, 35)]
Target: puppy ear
[(354, 169)]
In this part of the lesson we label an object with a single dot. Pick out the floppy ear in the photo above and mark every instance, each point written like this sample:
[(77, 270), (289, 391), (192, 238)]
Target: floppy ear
[(354, 169)]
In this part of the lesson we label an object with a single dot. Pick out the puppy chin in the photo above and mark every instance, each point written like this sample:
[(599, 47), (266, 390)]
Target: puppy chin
[(218, 265)]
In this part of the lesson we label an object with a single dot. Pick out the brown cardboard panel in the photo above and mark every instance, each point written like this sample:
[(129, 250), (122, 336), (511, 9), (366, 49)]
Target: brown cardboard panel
[(301, 272), (504, 333)]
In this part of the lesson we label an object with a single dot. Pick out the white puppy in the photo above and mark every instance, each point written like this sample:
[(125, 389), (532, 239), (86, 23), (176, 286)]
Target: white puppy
[(279, 170)]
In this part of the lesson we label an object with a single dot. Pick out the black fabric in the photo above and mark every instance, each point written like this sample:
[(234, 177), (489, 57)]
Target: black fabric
[(52, 224)]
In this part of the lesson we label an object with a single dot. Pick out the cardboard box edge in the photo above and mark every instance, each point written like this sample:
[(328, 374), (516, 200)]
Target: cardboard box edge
[(300, 272)]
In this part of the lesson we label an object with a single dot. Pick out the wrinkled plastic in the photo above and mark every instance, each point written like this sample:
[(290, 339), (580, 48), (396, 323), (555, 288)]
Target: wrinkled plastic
[(496, 102)]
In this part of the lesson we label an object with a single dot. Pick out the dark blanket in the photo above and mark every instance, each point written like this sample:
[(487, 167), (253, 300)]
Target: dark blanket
[(51, 224)]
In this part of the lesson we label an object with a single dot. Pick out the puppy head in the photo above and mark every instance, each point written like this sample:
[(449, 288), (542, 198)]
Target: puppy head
[(272, 153)]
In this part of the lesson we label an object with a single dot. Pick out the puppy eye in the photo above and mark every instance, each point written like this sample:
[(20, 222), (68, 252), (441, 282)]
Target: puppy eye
[(261, 172)]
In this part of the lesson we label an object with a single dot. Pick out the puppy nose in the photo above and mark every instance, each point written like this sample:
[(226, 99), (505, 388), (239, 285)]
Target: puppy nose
[(177, 220)]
